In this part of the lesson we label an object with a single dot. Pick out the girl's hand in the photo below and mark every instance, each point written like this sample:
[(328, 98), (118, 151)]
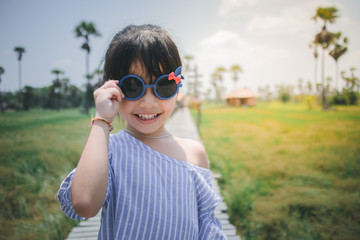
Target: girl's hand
[(107, 99)]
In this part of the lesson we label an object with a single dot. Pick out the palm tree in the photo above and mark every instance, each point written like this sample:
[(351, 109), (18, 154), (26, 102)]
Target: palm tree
[(336, 53), (327, 15), (316, 55), (220, 71), (196, 84), (352, 87), (236, 69), (187, 71), (2, 70), (99, 73), (351, 81), (300, 86), (65, 93), (324, 39), (20, 51), (216, 81), (85, 30), (56, 87), (308, 87), (188, 59), (57, 72)]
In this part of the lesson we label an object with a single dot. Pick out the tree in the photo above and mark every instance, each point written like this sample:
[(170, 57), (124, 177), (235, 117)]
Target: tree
[(315, 46), (85, 30), (336, 53), (196, 84), (187, 70), (75, 96), (216, 81), (188, 59), (219, 72), (2, 70), (265, 93), (284, 92), (56, 89), (65, 93), (236, 69), (309, 87), (28, 100), (300, 86), (352, 82), (327, 14), (324, 39), (57, 72), (20, 51), (98, 74)]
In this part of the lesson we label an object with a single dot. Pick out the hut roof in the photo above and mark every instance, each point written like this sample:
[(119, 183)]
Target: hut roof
[(241, 93)]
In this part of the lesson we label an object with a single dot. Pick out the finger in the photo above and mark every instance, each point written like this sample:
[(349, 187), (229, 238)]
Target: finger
[(118, 88), (121, 94), (114, 81), (110, 83), (115, 94)]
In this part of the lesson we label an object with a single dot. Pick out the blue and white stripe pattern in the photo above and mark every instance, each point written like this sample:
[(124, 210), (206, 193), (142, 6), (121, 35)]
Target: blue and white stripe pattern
[(152, 196)]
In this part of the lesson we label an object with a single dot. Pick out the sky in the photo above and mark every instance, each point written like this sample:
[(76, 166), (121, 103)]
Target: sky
[(269, 39)]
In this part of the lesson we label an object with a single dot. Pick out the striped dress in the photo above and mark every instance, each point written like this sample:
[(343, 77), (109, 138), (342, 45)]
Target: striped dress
[(151, 196)]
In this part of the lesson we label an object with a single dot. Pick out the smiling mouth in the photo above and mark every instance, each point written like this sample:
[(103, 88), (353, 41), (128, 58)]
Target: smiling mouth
[(147, 117)]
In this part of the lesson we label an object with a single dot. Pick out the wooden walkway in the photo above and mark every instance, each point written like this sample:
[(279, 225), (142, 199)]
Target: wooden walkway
[(181, 124)]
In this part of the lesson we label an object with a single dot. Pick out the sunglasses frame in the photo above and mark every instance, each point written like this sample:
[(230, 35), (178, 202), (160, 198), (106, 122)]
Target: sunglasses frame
[(150, 86)]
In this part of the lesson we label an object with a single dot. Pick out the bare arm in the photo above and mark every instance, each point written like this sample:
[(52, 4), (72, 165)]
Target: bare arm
[(89, 185)]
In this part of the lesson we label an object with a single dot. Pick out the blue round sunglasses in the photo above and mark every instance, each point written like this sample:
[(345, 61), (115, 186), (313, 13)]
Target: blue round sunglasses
[(165, 87)]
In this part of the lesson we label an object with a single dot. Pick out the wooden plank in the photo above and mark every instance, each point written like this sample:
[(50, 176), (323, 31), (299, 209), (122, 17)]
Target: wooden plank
[(234, 238)]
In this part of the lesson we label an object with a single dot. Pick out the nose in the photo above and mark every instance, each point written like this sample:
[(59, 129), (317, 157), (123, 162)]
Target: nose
[(149, 99)]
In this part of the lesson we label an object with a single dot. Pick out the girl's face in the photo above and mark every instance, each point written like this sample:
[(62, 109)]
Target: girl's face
[(148, 114)]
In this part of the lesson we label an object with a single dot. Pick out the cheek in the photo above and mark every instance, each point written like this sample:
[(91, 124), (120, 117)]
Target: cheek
[(169, 105)]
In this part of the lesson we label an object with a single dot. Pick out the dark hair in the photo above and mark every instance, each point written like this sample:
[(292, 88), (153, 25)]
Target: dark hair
[(149, 44)]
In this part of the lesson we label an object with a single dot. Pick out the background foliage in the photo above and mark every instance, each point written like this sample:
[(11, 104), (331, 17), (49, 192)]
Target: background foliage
[(38, 148), (287, 172)]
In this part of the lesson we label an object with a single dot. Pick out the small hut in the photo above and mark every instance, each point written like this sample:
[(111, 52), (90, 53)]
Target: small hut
[(242, 97)]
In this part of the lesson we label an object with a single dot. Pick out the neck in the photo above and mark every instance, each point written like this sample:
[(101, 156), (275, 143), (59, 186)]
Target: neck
[(135, 134)]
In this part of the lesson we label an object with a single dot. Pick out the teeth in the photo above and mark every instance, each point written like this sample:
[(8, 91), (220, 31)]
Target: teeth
[(147, 116)]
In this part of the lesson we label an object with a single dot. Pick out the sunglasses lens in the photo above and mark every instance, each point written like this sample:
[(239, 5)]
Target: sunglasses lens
[(131, 87), (166, 88)]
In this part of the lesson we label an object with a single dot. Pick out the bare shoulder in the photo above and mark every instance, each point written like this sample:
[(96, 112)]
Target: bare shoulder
[(195, 152)]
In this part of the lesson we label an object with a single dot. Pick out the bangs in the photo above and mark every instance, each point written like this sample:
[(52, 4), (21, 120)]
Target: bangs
[(147, 44)]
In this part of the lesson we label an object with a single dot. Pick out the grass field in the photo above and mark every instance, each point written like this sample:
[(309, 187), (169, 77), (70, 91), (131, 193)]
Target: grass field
[(287, 172), (37, 149)]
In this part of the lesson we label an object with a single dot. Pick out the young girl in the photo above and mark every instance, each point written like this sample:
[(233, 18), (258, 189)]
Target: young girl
[(148, 183)]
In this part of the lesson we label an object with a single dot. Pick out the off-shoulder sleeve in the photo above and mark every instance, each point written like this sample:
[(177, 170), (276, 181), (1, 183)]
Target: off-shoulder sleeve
[(64, 197), (209, 226)]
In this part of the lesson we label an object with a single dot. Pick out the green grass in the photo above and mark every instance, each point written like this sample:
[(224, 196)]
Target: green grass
[(287, 172), (38, 148)]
